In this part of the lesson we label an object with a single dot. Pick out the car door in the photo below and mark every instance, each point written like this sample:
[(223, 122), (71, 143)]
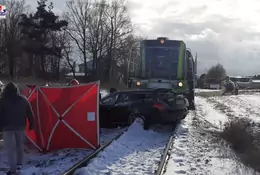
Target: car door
[(120, 112), (106, 108)]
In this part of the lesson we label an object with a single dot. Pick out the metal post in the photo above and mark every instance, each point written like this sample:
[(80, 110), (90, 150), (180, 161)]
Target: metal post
[(128, 63)]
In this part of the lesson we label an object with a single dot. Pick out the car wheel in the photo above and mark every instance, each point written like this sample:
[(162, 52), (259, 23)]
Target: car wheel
[(139, 119)]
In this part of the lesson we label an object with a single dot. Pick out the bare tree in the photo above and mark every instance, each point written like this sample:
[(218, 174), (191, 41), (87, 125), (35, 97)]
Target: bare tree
[(12, 34), (77, 16), (97, 34), (67, 50), (119, 27), (100, 30)]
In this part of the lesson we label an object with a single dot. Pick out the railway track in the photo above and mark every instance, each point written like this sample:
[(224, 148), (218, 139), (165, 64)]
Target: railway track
[(166, 153), (161, 166), (86, 160)]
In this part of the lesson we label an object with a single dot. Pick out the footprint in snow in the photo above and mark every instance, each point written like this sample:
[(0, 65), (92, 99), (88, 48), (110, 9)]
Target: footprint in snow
[(178, 160), (184, 141), (181, 164), (180, 172), (180, 154), (178, 145), (193, 169)]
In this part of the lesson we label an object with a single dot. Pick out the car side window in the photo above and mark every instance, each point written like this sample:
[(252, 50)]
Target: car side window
[(123, 98), (110, 100)]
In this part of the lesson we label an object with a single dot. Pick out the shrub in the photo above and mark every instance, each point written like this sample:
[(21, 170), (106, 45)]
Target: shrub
[(244, 138)]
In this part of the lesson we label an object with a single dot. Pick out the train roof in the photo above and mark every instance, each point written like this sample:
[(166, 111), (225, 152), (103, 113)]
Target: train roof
[(167, 40)]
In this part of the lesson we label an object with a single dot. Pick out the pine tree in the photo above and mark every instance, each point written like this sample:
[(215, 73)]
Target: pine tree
[(39, 31)]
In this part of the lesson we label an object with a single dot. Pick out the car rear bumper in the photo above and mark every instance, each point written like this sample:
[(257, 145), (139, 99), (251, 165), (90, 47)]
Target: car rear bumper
[(171, 116)]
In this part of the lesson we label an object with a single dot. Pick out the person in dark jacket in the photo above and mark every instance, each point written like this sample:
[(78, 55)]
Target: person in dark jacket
[(112, 90), (14, 109)]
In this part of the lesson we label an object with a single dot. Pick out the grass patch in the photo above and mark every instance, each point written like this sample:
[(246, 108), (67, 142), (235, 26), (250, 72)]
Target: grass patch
[(243, 137), (231, 144)]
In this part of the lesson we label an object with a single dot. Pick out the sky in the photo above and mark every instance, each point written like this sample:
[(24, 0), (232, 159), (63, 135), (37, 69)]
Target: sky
[(219, 31)]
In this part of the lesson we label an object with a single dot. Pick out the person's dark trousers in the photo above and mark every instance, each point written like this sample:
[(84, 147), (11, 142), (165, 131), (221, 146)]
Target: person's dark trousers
[(14, 144)]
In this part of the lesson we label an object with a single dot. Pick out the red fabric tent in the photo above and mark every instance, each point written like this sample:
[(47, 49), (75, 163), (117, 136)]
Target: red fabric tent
[(27, 91), (65, 117)]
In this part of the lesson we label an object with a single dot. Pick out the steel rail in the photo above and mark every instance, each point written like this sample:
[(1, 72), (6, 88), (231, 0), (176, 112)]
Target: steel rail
[(166, 153), (86, 160)]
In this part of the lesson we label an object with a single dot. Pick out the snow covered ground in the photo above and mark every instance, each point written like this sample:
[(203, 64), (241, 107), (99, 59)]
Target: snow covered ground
[(239, 106), (194, 153), (51, 163), (217, 91), (136, 152), (206, 90), (57, 162)]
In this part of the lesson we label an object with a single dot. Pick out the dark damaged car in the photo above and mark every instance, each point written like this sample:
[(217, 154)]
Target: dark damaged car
[(148, 106)]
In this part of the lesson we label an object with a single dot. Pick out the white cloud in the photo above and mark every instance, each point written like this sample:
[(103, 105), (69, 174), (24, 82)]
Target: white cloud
[(220, 31)]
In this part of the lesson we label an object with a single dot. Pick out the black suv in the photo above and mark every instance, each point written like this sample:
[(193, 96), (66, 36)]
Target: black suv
[(149, 106)]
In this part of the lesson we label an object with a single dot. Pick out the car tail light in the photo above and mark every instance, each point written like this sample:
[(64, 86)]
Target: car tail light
[(159, 106)]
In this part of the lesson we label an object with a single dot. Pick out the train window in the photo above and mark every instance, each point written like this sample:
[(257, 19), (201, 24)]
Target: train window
[(160, 63), (175, 54)]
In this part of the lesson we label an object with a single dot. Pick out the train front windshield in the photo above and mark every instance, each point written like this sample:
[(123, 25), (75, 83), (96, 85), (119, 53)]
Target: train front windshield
[(163, 62)]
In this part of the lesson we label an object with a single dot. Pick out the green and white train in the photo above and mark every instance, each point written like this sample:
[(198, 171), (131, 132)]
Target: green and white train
[(167, 64)]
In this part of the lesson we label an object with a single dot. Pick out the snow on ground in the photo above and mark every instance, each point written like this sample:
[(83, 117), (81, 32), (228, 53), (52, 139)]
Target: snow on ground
[(139, 151), (107, 135), (215, 119), (217, 92), (193, 152), (51, 163), (136, 152), (55, 163), (239, 106), (206, 90)]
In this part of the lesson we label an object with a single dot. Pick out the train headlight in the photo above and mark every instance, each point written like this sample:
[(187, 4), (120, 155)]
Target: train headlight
[(180, 84), (138, 83)]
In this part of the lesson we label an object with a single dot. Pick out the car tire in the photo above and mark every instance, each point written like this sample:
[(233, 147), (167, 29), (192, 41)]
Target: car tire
[(140, 119)]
